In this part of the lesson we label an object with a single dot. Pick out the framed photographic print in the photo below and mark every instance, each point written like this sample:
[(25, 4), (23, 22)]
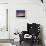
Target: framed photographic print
[(20, 13)]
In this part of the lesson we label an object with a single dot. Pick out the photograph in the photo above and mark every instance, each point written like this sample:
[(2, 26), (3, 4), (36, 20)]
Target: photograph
[(20, 13)]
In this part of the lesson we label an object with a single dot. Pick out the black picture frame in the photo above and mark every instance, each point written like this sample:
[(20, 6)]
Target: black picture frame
[(20, 13)]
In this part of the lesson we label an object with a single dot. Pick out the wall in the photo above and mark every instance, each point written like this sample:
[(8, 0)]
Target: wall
[(35, 12)]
